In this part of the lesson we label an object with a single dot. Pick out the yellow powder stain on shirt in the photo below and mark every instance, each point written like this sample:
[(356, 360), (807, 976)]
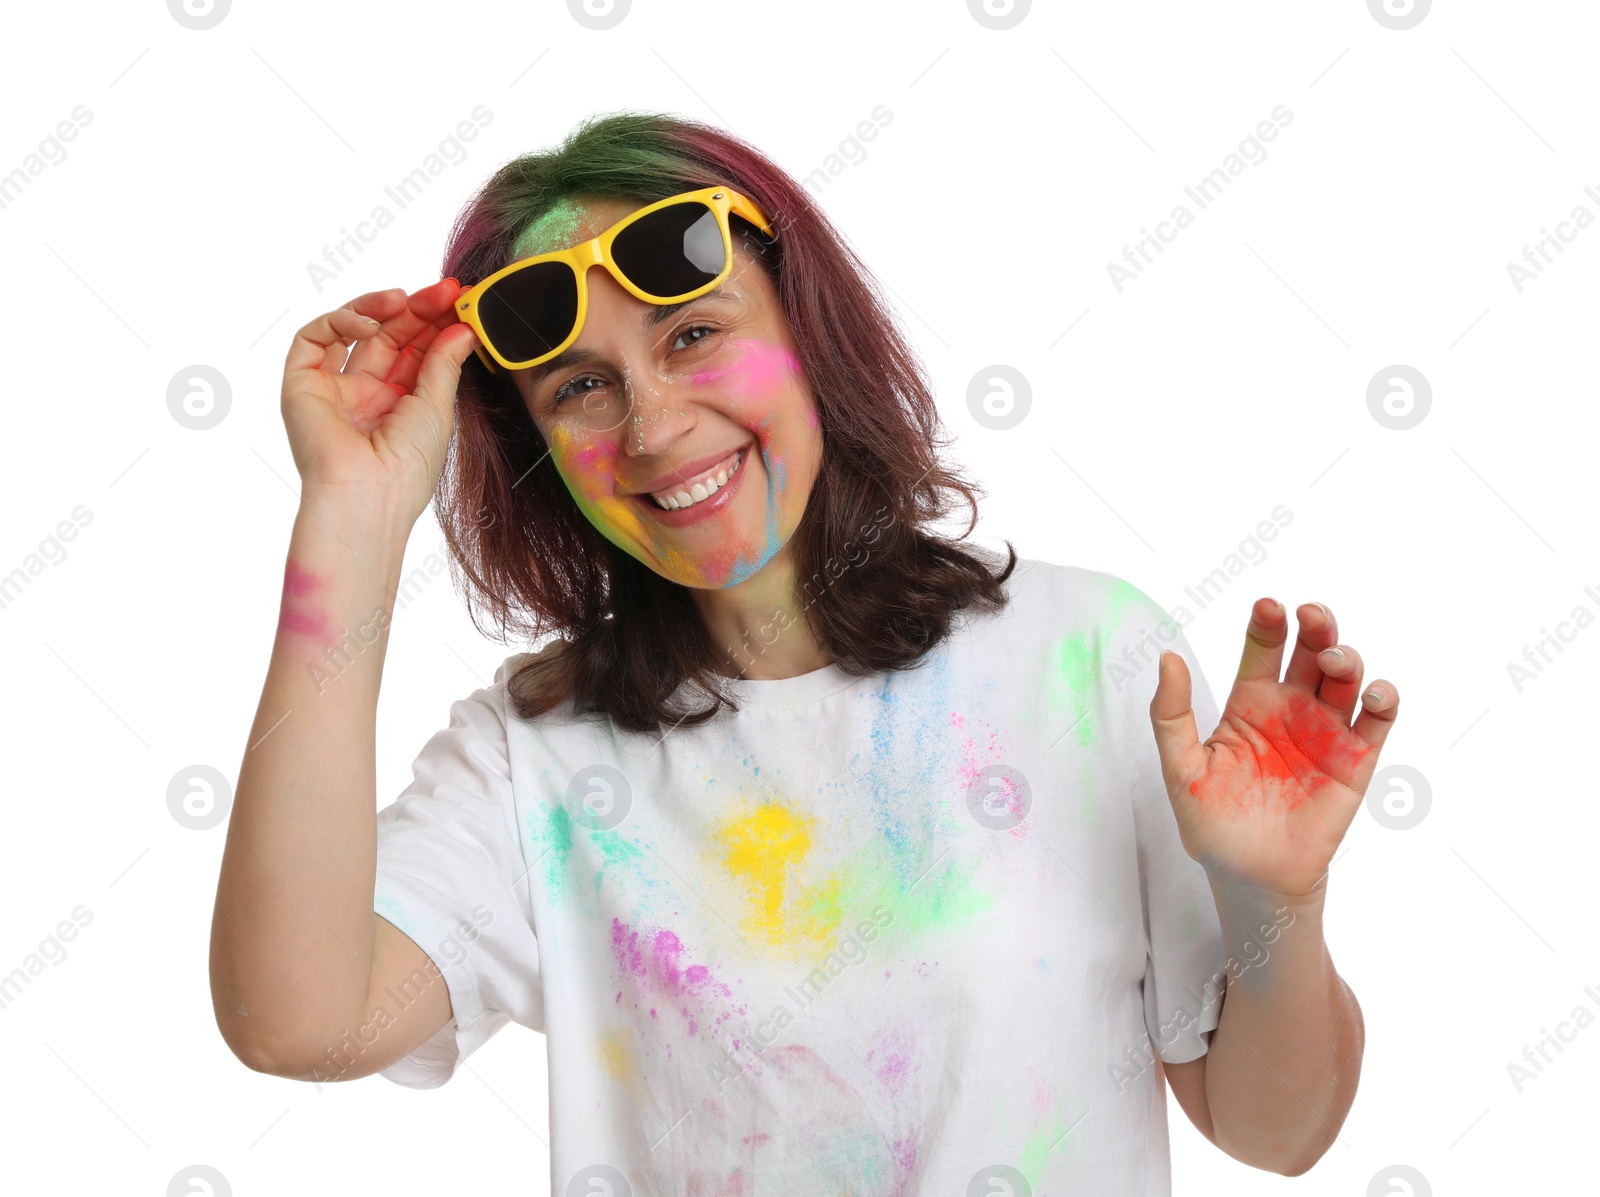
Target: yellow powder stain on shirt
[(762, 850), (617, 1057)]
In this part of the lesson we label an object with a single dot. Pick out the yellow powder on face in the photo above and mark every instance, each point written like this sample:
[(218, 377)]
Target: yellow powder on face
[(761, 850), (585, 466)]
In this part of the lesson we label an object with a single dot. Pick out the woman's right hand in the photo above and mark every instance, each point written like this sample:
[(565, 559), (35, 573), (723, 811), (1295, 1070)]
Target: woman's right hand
[(374, 422)]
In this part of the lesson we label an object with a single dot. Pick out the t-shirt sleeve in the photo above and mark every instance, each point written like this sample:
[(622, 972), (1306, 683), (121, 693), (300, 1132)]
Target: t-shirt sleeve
[(1185, 975), (451, 874)]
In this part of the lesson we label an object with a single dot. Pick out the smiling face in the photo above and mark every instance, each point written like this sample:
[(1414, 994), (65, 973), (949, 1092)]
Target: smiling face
[(687, 435)]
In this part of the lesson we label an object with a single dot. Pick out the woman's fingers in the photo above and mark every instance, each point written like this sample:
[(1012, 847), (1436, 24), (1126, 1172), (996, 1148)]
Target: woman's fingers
[(377, 356), (1317, 632), (1268, 628), (1172, 719), (354, 320), (408, 361), (440, 373), (1380, 704), (441, 368), (1341, 679)]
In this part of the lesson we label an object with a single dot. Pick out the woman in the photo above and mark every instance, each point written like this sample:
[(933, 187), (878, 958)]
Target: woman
[(832, 856)]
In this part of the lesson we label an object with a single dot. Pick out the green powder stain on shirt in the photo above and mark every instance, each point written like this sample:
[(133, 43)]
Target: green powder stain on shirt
[(1073, 672), (553, 833), (1076, 676), (943, 897), (554, 839), (1036, 1151), (1123, 597), (1048, 1139), (615, 851)]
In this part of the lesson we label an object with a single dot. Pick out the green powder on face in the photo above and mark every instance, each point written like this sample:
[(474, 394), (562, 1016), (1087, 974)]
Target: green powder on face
[(556, 229)]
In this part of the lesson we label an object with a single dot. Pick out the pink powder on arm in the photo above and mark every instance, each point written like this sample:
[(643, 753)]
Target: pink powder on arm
[(298, 581), (296, 614)]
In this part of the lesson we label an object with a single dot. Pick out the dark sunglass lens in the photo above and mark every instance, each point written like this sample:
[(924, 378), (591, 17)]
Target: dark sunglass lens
[(530, 311), (671, 251)]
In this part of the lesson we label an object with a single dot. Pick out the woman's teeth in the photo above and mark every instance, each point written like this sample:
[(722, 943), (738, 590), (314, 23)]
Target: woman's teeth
[(702, 489)]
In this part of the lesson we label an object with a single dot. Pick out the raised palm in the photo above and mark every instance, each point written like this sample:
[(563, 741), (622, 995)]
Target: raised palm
[(1265, 800)]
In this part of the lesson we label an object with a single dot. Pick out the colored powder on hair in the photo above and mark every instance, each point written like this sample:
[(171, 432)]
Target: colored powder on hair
[(556, 229)]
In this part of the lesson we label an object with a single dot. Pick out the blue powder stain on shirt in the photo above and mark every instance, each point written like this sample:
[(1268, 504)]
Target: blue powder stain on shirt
[(910, 789)]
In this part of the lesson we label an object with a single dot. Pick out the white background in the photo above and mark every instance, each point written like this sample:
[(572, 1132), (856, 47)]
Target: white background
[(1229, 377)]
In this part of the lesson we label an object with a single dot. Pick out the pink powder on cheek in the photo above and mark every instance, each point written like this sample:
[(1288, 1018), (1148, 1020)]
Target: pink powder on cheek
[(762, 366), (592, 466), (594, 457)]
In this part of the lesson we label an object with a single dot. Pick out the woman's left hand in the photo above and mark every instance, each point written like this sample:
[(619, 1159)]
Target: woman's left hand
[(1265, 801)]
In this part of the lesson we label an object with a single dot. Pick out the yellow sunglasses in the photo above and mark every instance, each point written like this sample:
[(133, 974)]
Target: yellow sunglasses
[(666, 252)]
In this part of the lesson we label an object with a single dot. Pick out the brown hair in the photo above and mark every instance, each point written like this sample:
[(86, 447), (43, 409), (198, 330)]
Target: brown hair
[(878, 589)]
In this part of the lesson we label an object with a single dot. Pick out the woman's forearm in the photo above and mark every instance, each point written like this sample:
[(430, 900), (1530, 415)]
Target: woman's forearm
[(292, 932), (1283, 1064)]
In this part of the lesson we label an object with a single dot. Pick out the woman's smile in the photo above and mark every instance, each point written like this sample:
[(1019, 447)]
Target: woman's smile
[(703, 493)]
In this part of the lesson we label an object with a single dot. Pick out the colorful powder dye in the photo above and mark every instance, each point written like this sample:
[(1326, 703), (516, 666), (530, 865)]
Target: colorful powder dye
[(1294, 756), (762, 849), (653, 961), (556, 229), (756, 386), (800, 961), (298, 614)]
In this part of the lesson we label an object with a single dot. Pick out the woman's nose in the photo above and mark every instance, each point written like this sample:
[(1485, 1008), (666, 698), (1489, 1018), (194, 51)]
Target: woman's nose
[(657, 417)]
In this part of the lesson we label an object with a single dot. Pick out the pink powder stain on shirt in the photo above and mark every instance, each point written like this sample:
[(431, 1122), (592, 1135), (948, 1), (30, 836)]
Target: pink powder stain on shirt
[(666, 947), (656, 963), (890, 1059), (1042, 1094)]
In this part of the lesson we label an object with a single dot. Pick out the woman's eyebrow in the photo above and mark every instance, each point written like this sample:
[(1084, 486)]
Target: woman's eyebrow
[(659, 315), (653, 318)]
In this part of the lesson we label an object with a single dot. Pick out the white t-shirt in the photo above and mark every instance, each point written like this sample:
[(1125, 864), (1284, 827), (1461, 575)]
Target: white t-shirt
[(915, 933)]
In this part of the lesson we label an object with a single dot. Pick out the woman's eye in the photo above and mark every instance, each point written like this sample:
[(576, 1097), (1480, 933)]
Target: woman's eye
[(704, 328), (565, 389), (574, 386)]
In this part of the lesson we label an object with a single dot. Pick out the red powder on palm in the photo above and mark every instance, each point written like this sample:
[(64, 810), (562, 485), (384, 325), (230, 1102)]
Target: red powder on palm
[(1296, 755)]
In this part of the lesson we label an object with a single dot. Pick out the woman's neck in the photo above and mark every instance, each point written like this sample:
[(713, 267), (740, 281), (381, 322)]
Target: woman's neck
[(758, 626)]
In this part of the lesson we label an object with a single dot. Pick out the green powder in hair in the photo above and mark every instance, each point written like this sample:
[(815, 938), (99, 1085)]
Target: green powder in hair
[(556, 229)]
